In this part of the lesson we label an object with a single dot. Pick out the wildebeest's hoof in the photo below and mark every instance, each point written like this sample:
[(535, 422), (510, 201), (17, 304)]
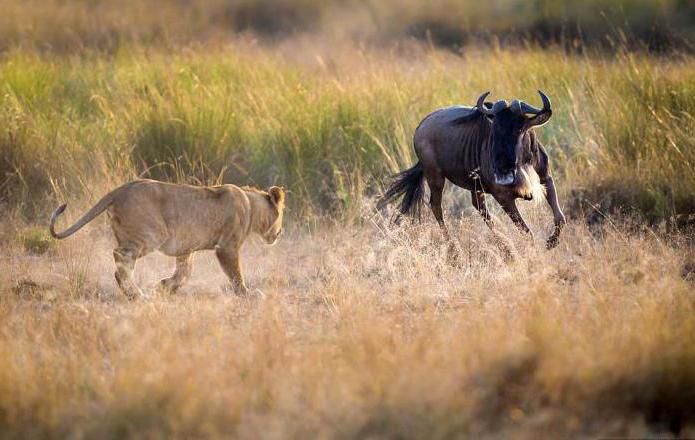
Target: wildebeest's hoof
[(453, 256), (552, 242), (168, 285), (236, 290), (133, 295), (508, 255)]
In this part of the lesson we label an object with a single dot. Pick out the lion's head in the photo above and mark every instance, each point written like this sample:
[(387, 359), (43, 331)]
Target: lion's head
[(269, 212)]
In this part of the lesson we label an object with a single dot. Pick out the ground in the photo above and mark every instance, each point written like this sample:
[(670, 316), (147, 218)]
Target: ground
[(360, 330)]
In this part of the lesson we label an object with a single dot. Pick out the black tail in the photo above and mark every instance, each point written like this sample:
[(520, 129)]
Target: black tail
[(408, 183)]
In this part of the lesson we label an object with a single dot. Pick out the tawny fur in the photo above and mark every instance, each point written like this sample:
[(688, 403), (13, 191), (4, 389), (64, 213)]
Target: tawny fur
[(178, 220)]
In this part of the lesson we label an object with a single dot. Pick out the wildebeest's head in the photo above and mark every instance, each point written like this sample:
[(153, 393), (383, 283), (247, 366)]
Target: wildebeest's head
[(510, 124)]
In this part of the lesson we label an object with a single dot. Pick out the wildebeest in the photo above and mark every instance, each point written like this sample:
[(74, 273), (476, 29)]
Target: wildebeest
[(489, 148)]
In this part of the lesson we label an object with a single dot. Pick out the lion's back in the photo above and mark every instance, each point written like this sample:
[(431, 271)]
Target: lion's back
[(177, 218)]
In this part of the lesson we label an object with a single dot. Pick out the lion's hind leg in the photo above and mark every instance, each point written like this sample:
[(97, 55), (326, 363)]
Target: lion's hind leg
[(184, 266), (125, 265)]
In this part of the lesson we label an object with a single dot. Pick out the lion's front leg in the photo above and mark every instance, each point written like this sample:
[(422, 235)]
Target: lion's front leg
[(229, 260)]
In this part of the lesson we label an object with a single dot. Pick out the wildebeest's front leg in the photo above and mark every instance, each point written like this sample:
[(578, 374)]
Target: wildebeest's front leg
[(509, 206), (559, 217), (478, 199), (543, 170)]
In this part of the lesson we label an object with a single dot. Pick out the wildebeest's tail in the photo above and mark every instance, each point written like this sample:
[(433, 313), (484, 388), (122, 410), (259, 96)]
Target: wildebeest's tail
[(409, 184), (97, 209)]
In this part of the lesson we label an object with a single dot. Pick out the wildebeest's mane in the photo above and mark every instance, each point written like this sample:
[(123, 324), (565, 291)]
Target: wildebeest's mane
[(470, 116)]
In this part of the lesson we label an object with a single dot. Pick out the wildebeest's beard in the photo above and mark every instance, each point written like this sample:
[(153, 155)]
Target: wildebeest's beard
[(507, 146)]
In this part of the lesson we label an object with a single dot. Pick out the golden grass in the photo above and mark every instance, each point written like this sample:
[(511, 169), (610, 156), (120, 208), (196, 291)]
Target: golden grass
[(356, 332)]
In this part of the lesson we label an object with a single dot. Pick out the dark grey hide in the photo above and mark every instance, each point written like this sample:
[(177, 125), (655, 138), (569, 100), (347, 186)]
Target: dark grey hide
[(486, 149)]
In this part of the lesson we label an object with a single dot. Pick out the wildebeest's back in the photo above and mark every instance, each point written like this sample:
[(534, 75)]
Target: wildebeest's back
[(451, 138)]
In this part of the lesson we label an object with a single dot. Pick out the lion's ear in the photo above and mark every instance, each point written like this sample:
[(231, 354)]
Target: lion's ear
[(277, 195)]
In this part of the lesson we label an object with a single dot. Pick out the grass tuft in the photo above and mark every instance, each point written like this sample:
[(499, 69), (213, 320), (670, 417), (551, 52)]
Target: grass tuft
[(35, 240)]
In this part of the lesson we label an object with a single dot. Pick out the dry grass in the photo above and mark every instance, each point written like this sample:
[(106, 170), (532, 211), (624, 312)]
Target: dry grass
[(363, 331)]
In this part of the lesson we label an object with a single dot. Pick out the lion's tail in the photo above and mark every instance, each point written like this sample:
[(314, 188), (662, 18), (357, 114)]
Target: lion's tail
[(97, 209)]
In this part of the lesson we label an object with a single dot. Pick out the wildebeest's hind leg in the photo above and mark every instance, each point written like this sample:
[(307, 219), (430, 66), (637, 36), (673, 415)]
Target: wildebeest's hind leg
[(436, 182), (181, 274)]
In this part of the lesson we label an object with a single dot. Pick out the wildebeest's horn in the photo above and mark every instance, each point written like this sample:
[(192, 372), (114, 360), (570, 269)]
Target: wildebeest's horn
[(481, 105), (517, 107), (543, 115), (529, 109), (546, 102)]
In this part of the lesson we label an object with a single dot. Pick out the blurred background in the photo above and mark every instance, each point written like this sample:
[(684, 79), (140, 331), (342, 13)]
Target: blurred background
[(73, 25)]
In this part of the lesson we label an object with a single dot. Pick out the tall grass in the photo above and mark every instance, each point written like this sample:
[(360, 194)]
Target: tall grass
[(330, 126)]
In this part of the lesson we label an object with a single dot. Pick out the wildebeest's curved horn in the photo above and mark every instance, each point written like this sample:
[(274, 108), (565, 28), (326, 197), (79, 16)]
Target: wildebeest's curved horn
[(541, 116), (517, 107), (546, 102), (481, 105), (529, 109)]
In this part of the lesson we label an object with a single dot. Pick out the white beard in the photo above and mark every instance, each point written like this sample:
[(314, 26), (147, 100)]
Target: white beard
[(530, 184)]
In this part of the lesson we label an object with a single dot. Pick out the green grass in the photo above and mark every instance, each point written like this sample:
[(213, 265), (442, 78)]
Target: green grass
[(35, 240), (332, 127)]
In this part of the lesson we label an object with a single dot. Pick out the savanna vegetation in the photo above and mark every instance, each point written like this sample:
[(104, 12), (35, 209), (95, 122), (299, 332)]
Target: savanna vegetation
[(330, 126), (355, 327)]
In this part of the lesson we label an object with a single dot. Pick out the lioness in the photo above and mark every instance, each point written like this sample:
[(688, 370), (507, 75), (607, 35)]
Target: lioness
[(178, 220)]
